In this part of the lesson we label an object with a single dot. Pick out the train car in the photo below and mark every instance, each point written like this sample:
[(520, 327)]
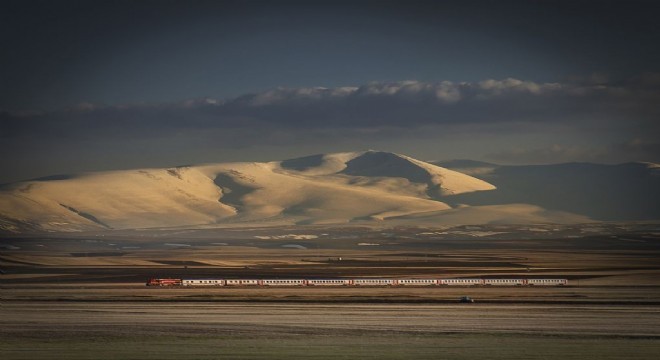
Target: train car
[(547, 282), (164, 282), (203, 282), (373, 282), (505, 282), (329, 282), (461, 282), (283, 282), (242, 282), (416, 282)]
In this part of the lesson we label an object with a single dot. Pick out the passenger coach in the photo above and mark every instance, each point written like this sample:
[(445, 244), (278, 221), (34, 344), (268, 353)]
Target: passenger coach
[(504, 282), (203, 282), (329, 282), (547, 282), (288, 282), (416, 282), (242, 282), (373, 282), (463, 282)]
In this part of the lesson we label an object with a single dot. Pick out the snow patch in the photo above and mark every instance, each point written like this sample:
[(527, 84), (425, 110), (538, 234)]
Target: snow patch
[(294, 246), (287, 236)]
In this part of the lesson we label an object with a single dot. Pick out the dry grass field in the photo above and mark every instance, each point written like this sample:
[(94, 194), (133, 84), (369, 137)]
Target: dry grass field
[(83, 296), (211, 330)]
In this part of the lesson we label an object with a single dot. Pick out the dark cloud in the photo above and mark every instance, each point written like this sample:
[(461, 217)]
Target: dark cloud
[(405, 105)]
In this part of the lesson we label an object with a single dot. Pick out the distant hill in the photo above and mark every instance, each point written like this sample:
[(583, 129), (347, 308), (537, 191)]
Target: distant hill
[(621, 192)]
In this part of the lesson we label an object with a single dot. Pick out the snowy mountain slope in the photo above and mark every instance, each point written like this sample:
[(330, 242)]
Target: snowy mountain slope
[(117, 199), (380, 165), (491, 214), (330, 188)]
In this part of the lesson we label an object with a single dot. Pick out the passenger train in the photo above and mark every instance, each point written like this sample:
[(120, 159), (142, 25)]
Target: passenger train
[(357, 282)]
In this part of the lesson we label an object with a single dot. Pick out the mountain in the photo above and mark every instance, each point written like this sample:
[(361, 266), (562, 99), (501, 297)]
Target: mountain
[(320, 189), (624, 192), (366, 188)]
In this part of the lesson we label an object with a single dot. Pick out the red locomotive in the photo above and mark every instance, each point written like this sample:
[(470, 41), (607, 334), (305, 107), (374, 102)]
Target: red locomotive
[(164, 282)]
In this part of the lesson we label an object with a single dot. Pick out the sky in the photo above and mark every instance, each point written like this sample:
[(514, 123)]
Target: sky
[(101, 85)]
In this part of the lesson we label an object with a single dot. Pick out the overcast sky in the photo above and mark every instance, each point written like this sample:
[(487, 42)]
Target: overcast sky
[(95, 85)]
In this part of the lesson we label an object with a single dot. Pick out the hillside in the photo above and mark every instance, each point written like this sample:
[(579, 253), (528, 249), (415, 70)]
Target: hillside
[(322, 189)]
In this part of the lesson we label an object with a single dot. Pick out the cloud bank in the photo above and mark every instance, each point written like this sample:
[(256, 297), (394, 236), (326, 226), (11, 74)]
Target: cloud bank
[(584, 119), (402, 104)]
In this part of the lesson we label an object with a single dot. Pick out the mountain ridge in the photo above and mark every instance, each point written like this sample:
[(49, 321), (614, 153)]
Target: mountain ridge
[(235, 193), (363, 188)]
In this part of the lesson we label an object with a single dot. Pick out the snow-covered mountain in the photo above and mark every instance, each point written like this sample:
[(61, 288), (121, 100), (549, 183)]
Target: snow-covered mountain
[(321, 189), (368, 187)]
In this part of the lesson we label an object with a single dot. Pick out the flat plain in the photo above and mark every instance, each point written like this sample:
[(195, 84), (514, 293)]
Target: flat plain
[(209, 330), (82, 296)]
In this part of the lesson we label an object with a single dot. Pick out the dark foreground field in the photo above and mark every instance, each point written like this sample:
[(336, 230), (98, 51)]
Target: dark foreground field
[(130, 330), (82, 296)]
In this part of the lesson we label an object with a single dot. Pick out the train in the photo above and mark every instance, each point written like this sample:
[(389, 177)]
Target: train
[(358, 282)]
